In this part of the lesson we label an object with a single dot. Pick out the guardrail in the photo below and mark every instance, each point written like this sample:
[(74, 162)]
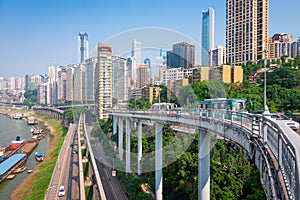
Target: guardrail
[(98, 179), (81, 176)]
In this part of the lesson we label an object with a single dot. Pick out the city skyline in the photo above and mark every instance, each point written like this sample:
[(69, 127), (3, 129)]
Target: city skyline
[(35, 35)]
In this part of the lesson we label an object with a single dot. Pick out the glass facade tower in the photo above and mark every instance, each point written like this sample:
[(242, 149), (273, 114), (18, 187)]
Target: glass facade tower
[(207, 34)]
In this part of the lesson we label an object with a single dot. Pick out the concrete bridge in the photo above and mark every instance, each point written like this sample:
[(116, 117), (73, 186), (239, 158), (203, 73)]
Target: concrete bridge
[(273, 146), (50, 112)]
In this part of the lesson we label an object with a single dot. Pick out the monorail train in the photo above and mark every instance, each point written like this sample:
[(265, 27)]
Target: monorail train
[(163, 108), (238, 105)]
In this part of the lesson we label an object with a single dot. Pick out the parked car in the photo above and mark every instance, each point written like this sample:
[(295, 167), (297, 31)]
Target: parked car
[(74, 151), (286, 120), (281, 118), (61, 191), (257, 112)]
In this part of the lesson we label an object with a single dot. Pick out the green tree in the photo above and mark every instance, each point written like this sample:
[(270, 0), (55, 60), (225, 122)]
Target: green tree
[(30, 97), (187, 96)]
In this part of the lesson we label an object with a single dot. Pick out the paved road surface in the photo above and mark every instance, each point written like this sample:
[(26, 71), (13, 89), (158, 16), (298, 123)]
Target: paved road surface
[(112, 187), (74, 171), (62, 170)]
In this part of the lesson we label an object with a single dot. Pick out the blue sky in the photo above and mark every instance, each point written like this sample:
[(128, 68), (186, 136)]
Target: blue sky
[(36, 33)]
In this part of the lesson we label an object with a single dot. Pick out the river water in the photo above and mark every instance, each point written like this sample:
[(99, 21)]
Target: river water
[(9, 129)]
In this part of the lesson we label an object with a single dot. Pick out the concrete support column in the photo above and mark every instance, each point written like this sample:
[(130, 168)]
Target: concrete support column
[(204, 165), (140, 146), (115, 120), (128, 129), (158, 161), (120, 138), (265, 131), (279, 150)]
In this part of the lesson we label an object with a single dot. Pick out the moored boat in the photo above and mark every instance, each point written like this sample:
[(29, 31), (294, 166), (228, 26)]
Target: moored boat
[(20, 169), (9, 177), (18, 140), (39, 156), (37, 130)]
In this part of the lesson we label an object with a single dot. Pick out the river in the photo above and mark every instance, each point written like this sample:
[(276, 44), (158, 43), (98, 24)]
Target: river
[(9, 129)]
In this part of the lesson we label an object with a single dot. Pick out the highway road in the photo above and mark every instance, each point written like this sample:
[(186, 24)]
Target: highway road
[(112, 187), (74, 171), (63, 174)]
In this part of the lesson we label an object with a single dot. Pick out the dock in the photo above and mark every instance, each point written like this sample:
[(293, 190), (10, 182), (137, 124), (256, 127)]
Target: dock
[(8, 166), (28, 147)]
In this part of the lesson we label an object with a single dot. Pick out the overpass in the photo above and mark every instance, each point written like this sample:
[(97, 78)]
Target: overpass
[(50, 112), (273, 146)]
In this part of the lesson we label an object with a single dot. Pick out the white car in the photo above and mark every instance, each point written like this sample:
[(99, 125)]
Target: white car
[(61, 191), (286, 120)]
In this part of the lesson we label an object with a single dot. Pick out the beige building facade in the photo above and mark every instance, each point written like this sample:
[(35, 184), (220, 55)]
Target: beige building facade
[(246, 30)]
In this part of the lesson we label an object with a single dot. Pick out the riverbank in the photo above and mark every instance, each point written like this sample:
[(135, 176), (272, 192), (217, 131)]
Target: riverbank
[(34, 186)]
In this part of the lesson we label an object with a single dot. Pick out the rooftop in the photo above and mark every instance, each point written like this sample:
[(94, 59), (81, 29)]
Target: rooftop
[(10, 162)]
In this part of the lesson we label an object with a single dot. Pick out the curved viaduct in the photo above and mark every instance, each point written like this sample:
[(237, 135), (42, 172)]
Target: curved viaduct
[(273, 146)]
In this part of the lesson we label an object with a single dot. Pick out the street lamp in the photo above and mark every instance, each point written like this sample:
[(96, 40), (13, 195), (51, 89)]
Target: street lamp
[(266, 109)]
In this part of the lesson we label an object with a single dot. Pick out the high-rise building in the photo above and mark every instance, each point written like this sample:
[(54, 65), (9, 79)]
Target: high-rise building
[(280, 44), (296, 49), (34, 82), (53, 72), (1, 83), (79, 83), (182, 55), (147, 61), (132, 71), (163, 53), (217, 56), (119, 81), (61, 86), (103, 80), (42, 94), (90, 67), (27, 81), (12, 83), (143, 76), (246, 30), (207, 34), (136, 51), (70, 83), (20, 83), (83, 46)]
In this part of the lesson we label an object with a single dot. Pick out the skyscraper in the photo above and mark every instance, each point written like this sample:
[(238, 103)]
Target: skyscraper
[(182, 55), (143, 76), (217, 56), (61, 86), (70, 83), (296, 49), (79, 83), (132, 71), (103, 80), (207, 34), (280, 45), (119, 81), (83, 46), (246, 30), (90, 67), (136, 51)]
